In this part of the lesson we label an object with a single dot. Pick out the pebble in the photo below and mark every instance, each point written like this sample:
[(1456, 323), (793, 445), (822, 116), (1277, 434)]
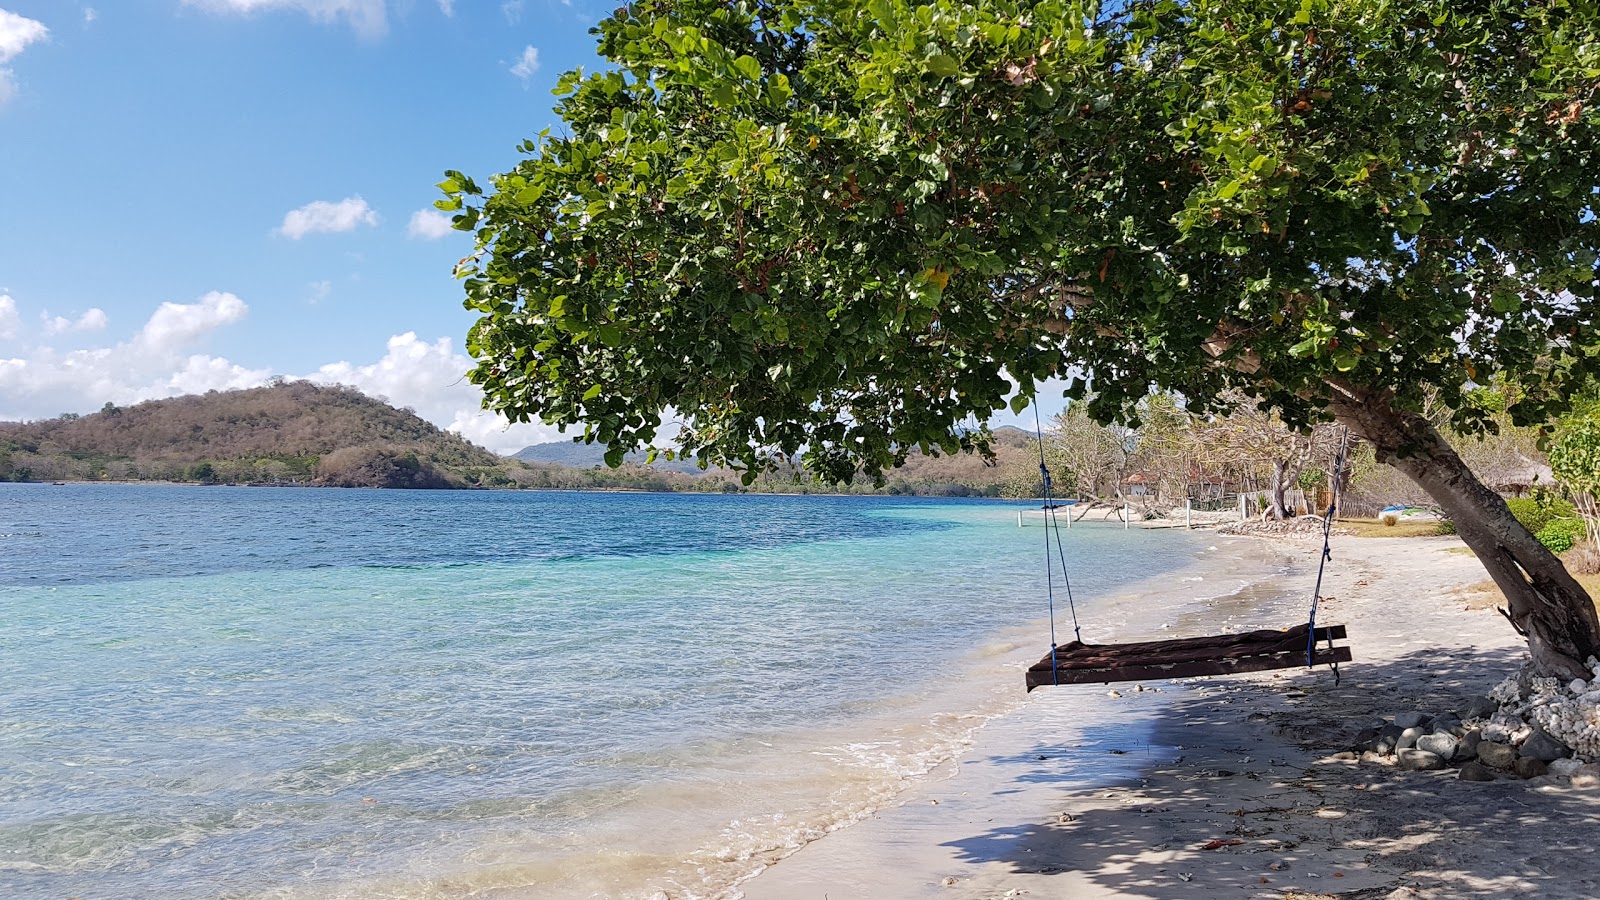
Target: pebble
[(1442, 745), (1480, 708), (1420, 760), (1113, 694), (1409, 737), (1543, 747), (1578, 686), (1474, 771), (1530, 768), (1496, 754), (1469, 745)]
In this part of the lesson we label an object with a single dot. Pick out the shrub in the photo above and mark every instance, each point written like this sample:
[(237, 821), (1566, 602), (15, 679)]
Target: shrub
[(1535, 514), (1561, 534), (1446, 526), (1583, 559)]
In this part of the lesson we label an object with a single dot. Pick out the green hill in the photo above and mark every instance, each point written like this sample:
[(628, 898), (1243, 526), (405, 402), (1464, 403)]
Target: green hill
[(289, 433)]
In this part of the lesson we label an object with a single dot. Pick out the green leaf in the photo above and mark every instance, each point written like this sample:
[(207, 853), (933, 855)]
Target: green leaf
[(610, 335), (749, 67), (592, 393), (614, 457), (943, 65)]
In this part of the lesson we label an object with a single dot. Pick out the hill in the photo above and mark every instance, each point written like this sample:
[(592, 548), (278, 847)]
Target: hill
[(578, 455), (288, 433)]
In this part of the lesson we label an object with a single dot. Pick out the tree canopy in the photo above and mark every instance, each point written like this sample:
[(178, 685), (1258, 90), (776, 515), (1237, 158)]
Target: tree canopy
[(846, 227)]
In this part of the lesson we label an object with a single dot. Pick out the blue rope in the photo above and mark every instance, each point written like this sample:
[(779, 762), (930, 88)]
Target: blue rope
[(1327, 549)]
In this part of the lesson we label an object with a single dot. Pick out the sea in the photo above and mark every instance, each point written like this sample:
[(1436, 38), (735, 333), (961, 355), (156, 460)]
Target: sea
[(230, 692)]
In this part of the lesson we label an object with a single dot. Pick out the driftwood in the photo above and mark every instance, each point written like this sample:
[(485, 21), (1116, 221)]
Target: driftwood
[(1226, 654)]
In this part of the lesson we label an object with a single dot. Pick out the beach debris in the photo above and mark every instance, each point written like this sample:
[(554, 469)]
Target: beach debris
[(949, 881), (1114, 694), (1219, 843), (1185, 876)]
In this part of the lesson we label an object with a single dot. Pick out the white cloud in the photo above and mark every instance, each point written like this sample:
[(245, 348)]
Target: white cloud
[(527, 64), (448, 7), (16, 33), (93, 320), (159, 361), (320, 291), (512, 10), (89, 15), (429, 225), (164, 359), (431, 379), (369, 18), (10, 322), (323, 217)]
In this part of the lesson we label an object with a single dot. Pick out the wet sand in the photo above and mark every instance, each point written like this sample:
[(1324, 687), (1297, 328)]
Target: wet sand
[(1229, 787)]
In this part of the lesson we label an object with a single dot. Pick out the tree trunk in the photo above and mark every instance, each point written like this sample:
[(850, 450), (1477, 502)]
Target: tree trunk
[(1547, 605), (1280, 485)]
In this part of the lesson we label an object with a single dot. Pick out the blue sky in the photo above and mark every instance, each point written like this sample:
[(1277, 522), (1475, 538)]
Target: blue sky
[(204, 194)]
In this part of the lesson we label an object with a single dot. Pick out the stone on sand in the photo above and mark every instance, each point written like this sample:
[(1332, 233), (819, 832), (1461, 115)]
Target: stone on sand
[(1442, 745), (1543, 747), (1475, 771), (1420, 760), (1496, 754)]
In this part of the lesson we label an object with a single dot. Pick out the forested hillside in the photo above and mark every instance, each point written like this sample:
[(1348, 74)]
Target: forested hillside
[(288, 433)]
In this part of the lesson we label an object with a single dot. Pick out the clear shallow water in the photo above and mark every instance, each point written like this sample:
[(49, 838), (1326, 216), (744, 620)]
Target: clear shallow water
[(249, 692)]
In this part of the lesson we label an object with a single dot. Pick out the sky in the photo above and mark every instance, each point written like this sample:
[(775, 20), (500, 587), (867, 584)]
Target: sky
[(206, 194)]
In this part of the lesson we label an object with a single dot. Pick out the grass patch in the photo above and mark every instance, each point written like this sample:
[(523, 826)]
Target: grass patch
[(1461, 551), (1485, 593), (1374, 528)]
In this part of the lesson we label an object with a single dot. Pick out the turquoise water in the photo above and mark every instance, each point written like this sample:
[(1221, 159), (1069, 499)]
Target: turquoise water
[(251, 692)]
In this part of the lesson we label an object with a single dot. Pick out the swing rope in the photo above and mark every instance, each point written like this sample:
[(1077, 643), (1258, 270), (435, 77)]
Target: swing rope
[(1327, 555), (1050, 524)]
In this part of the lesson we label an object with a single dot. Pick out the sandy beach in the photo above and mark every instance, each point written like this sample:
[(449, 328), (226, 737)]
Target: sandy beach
[(1235, 789)]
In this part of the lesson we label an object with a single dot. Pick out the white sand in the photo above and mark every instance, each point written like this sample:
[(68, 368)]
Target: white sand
[(1056, 800)]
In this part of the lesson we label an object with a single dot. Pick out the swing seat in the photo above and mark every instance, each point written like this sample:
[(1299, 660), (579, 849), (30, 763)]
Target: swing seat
[(1224, 654)]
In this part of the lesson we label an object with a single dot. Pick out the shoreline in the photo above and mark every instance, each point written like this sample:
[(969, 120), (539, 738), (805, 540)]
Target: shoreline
[(1050, 800)]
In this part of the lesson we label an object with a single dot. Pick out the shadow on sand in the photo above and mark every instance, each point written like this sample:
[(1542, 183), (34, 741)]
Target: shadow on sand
[(1243, 766)]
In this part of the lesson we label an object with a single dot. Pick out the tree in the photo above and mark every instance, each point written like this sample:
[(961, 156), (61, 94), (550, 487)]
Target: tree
[(842, 230)]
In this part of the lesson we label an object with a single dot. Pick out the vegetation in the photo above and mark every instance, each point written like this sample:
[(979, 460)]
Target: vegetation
[(289, 433), (840, 231)]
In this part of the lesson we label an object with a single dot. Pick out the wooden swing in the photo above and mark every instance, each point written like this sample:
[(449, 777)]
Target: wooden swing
[(1225, 654)]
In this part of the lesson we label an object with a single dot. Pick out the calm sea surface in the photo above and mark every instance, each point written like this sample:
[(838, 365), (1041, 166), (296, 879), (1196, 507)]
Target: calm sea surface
[(254, 692)]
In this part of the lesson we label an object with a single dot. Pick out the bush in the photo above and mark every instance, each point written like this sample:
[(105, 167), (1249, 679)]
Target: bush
[(1561, 534), (1446, 526), (1535, 514), (1583, 559)]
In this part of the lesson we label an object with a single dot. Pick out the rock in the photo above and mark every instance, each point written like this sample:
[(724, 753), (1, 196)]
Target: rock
[(1473, 771), (1365, 738), (1411, 719), (1408, 738), (1578, 686), (1530, 768), (1496, 754), (1566, 768), (1469, 745), (1388, 737), (1420, 760), (1587, 777), (1479, 708), (1441, 745), (1448, 724), (1543, 747), (1346, 755)]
